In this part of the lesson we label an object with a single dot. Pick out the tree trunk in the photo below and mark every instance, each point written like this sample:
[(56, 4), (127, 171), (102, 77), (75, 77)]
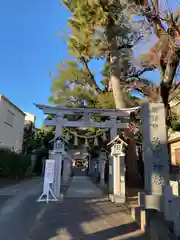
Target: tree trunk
[(117, 92), (120, 102), (167, 78), (115, 77), (132, 174)]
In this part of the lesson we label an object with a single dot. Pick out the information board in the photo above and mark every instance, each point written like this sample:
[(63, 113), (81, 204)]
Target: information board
[(49, 174)]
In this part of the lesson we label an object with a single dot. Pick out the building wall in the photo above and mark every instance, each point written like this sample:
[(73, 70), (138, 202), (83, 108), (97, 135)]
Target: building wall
[(11, 125), (30, 117), (174, 138), (174, 149)]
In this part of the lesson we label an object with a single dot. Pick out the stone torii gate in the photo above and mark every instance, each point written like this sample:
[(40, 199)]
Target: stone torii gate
[(157, 193), (118, 119)]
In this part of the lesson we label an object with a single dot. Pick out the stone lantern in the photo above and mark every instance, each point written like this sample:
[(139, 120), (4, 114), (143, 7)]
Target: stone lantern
[(117, 177), (60, 145), (117, 146)]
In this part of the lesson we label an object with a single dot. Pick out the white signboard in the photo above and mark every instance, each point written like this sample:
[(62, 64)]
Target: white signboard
[(49, 174)]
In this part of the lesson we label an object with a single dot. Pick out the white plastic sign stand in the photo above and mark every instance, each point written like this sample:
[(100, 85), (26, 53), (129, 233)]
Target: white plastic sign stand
[(48, 194)]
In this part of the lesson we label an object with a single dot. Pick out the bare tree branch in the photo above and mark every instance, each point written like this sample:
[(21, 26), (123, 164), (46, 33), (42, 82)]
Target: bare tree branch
[(151, 12), (155, 5), (83, 60), (125, 46), (140, 72)]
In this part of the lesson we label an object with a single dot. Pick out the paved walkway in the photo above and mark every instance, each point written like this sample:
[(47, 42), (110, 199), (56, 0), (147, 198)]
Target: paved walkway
[(19, 210), (83, 217), (84, 214), (82, 187)]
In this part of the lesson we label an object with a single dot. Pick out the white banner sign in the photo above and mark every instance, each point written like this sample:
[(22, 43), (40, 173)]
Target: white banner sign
[(49, 174)]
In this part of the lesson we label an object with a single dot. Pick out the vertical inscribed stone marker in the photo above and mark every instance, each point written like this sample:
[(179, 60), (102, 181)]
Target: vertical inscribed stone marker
[(155, 151)]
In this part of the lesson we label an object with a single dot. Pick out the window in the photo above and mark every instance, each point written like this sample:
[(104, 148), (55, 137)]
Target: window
[(177, 156), (9, 118)]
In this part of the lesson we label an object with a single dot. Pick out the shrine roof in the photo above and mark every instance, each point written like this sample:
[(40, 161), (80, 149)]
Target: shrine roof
[(116, 139), (59, 138)]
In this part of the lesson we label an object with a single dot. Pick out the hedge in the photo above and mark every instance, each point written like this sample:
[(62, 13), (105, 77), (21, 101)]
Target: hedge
[(13, 165)]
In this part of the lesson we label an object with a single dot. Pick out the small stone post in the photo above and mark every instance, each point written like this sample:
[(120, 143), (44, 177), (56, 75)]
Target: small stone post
[(66, 170), (89, 165), (93, 167), (102, 167), (33, 160), (97, 168), (110, 174)]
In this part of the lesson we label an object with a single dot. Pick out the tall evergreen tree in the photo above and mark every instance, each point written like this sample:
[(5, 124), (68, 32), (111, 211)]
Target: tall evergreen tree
[(99, 29)]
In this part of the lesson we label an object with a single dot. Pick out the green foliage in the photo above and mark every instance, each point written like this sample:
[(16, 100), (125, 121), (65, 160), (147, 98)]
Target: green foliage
[(86, 24), (43, 136), (173, 122), (74, 87), (13, 165), (90, 27), (28, 140), (41, 154)]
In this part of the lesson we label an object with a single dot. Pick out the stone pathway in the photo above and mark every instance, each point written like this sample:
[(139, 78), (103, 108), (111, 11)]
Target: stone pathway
[(85, 214), (82, 187), (19, 210)]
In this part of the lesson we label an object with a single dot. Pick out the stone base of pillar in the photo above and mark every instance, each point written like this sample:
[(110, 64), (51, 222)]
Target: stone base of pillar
[(117, 198), (65, 183), (111, 197), (102, 183)]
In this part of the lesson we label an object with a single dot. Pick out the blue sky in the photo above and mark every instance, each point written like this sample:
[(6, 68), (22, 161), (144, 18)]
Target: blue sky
[(30, 49)]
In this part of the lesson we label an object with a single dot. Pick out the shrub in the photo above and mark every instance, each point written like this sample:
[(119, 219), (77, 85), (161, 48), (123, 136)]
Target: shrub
[(40, 155), (13, 165)]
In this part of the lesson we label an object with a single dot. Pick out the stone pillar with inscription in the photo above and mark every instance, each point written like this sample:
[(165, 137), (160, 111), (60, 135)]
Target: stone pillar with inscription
[(155, 153)]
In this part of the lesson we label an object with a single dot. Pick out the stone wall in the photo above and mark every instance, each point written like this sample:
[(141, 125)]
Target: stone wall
[(157, 228)]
